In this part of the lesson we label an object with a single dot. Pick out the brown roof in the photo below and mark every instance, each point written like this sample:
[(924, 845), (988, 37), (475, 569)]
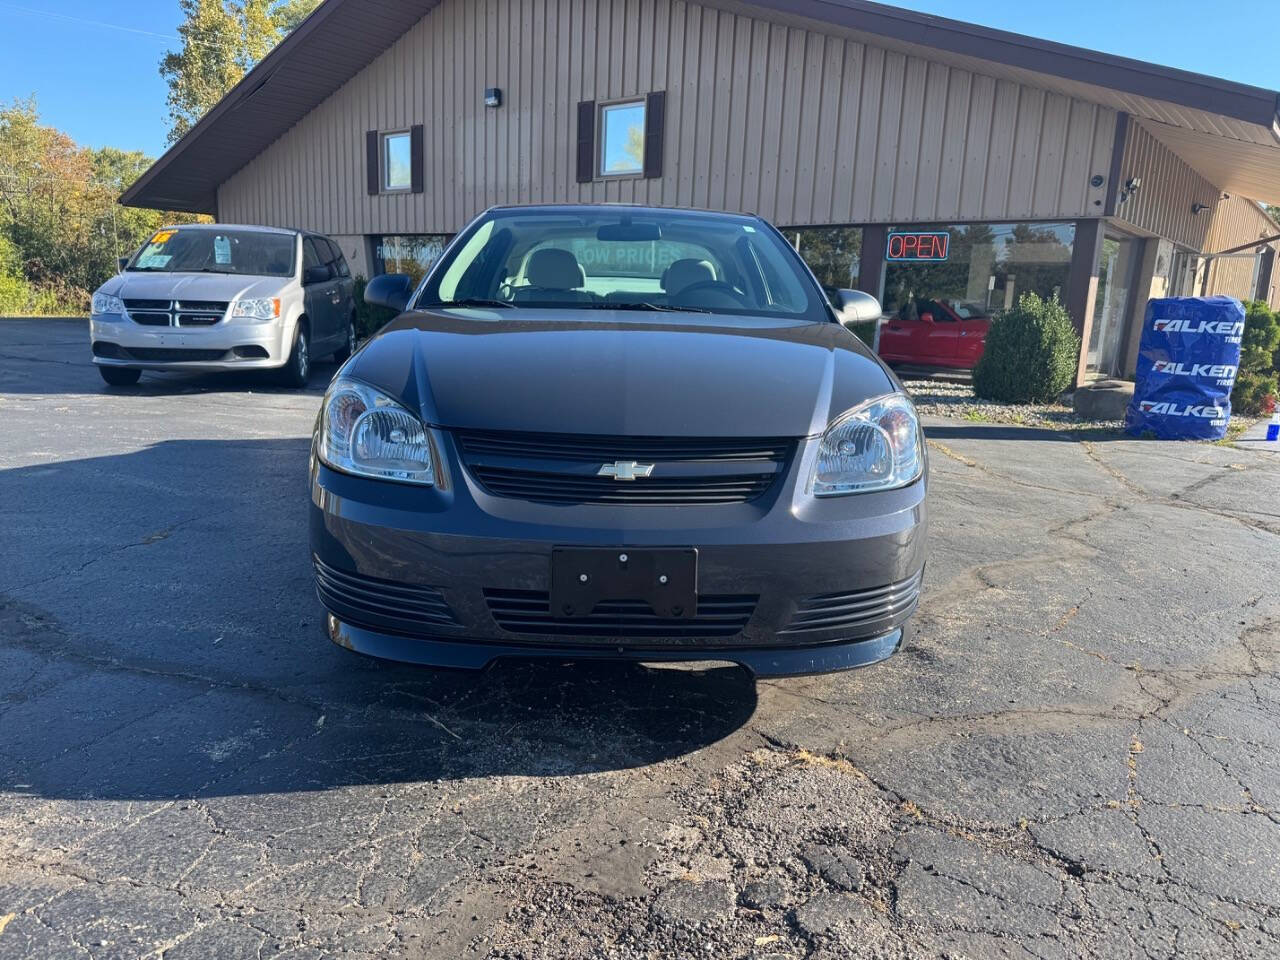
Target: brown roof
[(343, 36)]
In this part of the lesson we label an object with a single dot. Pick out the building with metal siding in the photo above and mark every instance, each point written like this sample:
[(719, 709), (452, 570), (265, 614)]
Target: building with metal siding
[(1055, 169)]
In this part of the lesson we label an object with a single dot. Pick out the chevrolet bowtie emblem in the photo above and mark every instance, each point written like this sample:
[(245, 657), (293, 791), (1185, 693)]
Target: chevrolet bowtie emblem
[(625, 470)]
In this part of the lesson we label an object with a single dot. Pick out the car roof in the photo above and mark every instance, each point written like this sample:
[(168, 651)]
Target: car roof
[(289, 231), (627, 207)]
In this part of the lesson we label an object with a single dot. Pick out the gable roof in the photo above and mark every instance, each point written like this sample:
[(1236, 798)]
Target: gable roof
[(1230, 132)]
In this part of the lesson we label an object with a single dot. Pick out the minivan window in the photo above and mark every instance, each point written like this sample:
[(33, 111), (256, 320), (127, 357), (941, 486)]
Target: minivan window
[(605, 259), (249, 252)]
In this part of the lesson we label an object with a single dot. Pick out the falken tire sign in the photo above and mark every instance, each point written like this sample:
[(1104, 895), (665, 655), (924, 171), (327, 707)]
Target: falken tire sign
[(1187, 364)]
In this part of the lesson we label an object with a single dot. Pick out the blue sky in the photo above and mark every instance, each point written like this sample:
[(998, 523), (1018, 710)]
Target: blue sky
[(101, 83)]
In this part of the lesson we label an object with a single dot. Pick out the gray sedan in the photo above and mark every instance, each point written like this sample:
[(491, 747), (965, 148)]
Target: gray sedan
[(603, 431)]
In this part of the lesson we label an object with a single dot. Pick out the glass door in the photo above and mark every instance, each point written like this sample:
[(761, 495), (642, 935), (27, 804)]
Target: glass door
[(1117, 269)]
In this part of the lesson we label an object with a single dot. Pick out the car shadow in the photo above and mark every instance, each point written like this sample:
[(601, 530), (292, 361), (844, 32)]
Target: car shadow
[(160, 637)]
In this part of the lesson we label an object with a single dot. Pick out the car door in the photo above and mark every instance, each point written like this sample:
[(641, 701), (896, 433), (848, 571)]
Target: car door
[(906, 338), (318, 296), (344, 285)]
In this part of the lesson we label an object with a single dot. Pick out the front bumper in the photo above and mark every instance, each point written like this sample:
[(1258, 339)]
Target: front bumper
[(227, 345), (453, 576)]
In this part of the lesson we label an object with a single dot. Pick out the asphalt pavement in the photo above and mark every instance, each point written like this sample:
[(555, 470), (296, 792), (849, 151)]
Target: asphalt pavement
[(1074, 757)]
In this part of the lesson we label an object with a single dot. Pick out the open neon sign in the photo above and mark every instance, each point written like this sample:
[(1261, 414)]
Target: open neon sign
[(929, 246)]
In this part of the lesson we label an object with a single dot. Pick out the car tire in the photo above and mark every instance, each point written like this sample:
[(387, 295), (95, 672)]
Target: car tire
[(349, 347), (297, 370), (120, 376)]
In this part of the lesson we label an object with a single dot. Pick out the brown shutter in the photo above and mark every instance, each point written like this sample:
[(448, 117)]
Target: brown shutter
[(415, 156), (372, 167), (655, 120), (586, 141)]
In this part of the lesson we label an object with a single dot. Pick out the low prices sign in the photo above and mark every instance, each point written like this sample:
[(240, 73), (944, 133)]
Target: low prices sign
[(918, 246)]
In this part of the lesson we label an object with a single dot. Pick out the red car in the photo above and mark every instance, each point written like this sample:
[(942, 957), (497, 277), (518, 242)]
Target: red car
[(937, 333)]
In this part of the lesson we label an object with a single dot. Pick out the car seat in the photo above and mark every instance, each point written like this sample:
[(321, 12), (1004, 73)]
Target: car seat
[(554, 276)]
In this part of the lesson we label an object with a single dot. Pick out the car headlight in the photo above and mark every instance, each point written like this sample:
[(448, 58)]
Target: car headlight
[(875, 446), (365, 432), (107, 303), (267, 308)]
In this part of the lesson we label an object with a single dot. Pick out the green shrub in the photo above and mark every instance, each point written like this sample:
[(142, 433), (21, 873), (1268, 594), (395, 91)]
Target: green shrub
[(1256, 387), (369, 319), (865, 331), (1031, 353)]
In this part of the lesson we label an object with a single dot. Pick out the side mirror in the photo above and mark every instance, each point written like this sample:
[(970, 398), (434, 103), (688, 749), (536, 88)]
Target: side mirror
[(124, 262), (316, 275), (855, 306), (391, 290), (926, 317)]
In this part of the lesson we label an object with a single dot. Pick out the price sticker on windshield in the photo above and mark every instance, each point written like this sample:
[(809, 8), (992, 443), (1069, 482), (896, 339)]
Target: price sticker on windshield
[(163, 237)]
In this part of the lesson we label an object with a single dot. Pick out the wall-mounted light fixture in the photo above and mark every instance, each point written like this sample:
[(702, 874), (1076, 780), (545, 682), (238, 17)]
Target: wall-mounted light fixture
[(1130, 188), (493, 96), (1198, 208), (1097, 180)]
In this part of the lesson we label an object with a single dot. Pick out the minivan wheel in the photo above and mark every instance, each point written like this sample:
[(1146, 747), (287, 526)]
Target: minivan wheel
[(120, 376), (297, 372), (349, 347)]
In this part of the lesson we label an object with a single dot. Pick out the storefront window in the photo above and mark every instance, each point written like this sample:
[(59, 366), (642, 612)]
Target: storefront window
[(832, 253), (987, 267), (414, 255)]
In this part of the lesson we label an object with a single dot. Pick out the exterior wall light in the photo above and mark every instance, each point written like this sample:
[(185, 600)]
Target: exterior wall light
[(493, 97), (1197, 208)]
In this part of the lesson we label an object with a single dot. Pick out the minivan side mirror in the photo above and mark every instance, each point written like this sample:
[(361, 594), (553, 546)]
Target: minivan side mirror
[(855, 306), (124, 262), (391, 290), (318, 274)]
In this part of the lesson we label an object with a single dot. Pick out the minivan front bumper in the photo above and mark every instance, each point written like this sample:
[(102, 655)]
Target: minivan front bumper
[(227, 345)]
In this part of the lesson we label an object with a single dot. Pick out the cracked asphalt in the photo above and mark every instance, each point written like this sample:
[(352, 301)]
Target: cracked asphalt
[(1075, 756)]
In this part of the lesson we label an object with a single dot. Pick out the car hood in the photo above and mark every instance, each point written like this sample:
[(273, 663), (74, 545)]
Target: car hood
[(620, 373), (191, 286)]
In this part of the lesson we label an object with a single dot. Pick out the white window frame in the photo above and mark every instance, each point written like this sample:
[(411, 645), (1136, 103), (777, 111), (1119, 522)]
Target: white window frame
[(384, 146), (602, 127)]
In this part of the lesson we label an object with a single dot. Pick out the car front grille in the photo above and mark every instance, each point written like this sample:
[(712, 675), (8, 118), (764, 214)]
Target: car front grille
[(369, 601), (176, 313), (833, 611), (565, 468), (529, 612)]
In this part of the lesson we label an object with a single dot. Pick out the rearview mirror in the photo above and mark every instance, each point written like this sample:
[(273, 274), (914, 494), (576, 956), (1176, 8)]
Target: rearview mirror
[(124, 262), (319, 274), (855, 306), (629, 231), (391, 290)]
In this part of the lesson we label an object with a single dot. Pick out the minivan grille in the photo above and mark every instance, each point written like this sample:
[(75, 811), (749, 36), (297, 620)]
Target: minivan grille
[(854, 609), (529, 611), (565, 468), (176, 313)]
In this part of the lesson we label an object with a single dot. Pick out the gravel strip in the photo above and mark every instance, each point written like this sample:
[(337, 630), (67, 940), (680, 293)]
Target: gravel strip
[(940, 398)]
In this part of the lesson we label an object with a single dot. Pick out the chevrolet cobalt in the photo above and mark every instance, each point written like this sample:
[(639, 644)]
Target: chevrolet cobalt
[(624, 432)]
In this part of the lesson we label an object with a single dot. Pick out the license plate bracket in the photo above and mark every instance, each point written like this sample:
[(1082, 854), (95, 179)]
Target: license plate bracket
[(583, 577)]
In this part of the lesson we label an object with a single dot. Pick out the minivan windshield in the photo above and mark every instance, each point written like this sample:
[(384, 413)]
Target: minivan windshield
[(621, 259), (258, 253)]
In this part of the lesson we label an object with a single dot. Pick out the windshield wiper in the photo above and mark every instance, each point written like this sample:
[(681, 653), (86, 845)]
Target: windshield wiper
[(645, 305), (468, 302)]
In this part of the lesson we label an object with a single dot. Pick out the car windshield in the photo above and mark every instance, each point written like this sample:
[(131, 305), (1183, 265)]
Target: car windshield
[(257, 253), (620, 259)]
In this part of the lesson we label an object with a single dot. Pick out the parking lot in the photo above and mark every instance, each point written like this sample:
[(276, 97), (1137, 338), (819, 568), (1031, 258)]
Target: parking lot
[(1075, 755)]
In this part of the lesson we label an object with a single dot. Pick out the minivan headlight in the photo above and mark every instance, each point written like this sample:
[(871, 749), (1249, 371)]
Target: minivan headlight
[(106, 303), (875, 446), (365, 432), (267, 308)]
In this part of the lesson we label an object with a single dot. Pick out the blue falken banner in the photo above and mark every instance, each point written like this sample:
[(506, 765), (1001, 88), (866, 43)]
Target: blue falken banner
[(1187, 364)]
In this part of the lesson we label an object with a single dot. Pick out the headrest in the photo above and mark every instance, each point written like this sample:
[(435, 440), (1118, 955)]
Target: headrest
[(554, 269), (685, 273)]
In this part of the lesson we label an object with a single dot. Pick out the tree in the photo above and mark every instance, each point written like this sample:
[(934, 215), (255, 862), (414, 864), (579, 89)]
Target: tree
[(61, 227), (221, 41)]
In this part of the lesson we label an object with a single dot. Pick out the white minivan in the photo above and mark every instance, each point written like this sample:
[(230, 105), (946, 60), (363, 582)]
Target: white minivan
[(224, 297)]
